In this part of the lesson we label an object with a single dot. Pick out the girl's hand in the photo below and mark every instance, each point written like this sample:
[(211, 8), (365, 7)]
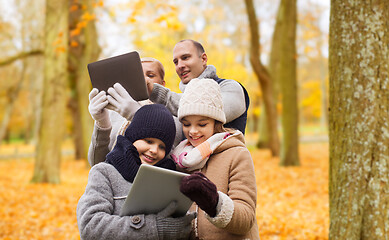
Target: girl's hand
[(201, 190)]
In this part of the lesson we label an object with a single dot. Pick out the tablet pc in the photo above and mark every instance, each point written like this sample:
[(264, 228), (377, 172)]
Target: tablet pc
[(153, 189), (125, 69)]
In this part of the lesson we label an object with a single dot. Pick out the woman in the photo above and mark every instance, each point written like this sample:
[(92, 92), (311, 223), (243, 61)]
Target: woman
[(112, 113)]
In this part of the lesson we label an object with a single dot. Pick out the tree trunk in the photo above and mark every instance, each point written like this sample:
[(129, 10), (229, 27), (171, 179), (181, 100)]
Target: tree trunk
[(274, 69), (264, 80), (36, 97), (288, 77), (47, 162), (85, 51), (359, 132), (263, 133), (12, 95)]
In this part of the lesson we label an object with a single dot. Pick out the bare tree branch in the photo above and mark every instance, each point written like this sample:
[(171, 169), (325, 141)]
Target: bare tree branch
[(9, 60)]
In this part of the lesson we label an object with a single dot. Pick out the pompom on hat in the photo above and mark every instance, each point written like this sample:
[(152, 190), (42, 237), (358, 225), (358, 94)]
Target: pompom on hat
[(202, 97), (152, 121)]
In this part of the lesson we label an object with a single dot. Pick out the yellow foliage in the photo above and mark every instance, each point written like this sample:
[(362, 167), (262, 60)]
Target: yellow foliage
[(57, 42), (308, 49), (311, 99), (161, 18), (82, 24), (257, 111), (98, 4), (88, 17), (131, 19), (138, 7), (60, 50), (112, 12)]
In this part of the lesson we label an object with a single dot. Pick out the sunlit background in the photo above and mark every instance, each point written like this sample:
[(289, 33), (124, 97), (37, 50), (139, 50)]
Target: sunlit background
[(152, 28)]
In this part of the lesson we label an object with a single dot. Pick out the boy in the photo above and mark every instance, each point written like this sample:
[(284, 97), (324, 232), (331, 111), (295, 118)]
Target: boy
[(147, 140)]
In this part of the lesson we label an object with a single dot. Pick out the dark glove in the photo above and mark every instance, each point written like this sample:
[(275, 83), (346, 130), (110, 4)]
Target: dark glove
[(173, 228), (201, 190)]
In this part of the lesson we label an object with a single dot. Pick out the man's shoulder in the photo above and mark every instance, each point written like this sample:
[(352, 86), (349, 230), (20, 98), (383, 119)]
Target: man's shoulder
[(228, 83)]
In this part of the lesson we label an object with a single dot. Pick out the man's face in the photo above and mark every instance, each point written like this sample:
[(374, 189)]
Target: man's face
[(189, 64)]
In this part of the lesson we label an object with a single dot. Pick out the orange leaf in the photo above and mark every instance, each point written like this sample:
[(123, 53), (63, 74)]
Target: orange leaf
[(74, 43), (73, 8), (75, 32)]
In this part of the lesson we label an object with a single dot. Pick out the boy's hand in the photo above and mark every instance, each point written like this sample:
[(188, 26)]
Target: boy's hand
[(173, 228)]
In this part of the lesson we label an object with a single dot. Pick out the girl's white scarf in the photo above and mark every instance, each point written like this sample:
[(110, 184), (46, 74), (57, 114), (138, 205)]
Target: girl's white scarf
[(193, 158)]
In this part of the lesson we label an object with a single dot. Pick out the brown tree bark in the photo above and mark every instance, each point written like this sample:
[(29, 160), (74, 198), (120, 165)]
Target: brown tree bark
[(288, 85), (12, 95), (359, 132), (47, 162), (85, 51), (264, 80)]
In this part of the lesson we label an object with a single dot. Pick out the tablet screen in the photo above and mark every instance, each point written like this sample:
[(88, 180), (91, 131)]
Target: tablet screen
[(125, 69), (153, 189)]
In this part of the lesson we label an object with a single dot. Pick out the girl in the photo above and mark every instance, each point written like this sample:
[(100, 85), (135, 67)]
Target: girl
[(147, 140), (222, 184)]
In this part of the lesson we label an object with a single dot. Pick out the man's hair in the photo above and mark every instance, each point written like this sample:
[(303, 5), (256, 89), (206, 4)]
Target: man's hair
[(161, 69), (198, 46)]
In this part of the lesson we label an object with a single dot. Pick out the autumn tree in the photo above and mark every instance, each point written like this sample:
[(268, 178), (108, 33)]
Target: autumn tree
[(47, 162), (274, 64), (83, 49), (359, 132), (288, 84), (264, 79), (19, 63)]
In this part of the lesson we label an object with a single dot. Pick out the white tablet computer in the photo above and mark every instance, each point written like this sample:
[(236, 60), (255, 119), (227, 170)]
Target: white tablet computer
[(153, 189), (125, 69)]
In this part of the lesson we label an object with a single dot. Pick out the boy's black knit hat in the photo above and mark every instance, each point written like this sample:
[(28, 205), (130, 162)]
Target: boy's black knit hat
[(152, 121)]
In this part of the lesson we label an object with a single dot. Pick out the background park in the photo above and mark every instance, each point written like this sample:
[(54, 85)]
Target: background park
[(316, 72)]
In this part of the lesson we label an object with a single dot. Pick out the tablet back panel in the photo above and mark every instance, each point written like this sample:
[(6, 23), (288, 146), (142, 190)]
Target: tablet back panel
[(153, 189), (125, 69)]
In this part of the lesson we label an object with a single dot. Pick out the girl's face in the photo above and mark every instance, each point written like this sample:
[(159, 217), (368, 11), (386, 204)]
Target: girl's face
[(198, 129), (151, 150), (152, 73)]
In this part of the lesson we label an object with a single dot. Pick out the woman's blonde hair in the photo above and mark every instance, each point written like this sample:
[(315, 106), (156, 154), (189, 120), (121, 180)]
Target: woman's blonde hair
[(161, 69)]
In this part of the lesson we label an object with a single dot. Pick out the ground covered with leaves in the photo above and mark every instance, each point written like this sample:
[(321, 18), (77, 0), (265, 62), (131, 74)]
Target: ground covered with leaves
[(292, 202)]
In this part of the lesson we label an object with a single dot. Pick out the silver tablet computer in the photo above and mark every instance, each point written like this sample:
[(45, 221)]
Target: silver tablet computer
[(153, 189), (125, 69)]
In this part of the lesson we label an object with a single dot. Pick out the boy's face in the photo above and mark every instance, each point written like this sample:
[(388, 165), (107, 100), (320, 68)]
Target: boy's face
[(151, 150), (197, 129), (152, 73)]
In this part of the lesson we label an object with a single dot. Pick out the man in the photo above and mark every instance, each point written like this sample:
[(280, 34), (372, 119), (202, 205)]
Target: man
[(190, 60)]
